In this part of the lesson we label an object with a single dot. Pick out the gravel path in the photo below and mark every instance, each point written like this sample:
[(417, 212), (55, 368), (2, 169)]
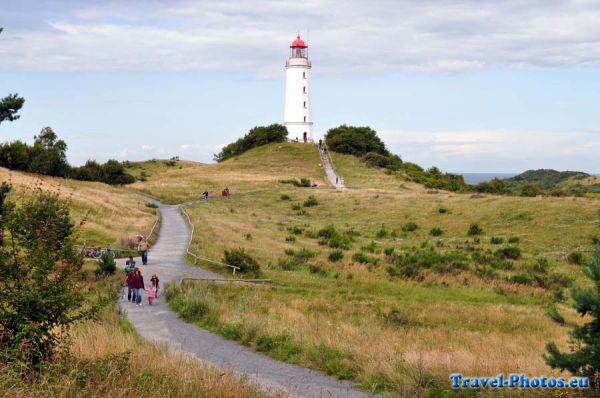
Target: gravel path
[(159, 324)]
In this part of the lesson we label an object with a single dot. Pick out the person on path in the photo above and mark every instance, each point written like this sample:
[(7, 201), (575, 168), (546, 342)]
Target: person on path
[(143, 249), (151, 294), (154, 280), (129, 265), (130, 290), (137, 283), (205, 195), (227, 191), (336, 180)]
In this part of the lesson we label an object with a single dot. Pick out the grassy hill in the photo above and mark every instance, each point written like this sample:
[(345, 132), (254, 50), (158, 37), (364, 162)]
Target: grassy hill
[(569, 182), (381, 283), (258, 169), (111, 216)]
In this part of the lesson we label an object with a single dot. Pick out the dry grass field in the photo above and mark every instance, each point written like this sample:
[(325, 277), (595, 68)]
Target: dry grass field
[(358, 317), (111, 216)]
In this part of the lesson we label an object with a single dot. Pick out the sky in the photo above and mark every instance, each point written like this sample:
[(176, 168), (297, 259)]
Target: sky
[(468, 86)]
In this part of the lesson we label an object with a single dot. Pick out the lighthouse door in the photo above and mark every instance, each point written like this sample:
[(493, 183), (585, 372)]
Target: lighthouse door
[(305, 137)]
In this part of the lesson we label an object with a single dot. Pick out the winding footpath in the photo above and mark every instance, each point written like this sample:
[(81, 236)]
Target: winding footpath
[(333, 178), (159, 324)]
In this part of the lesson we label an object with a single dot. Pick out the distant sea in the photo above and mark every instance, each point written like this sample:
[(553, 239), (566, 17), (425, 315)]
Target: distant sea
[(476, 178)]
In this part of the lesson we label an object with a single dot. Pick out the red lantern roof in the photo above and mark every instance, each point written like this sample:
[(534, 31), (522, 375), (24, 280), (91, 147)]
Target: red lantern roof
[(298, 43)]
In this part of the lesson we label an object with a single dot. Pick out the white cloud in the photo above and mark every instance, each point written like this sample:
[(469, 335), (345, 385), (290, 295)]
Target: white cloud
[(354, 36)]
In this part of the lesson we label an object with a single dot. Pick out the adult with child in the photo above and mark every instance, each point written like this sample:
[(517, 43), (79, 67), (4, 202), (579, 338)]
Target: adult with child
[(128, 280), (143, 249), (137, 284)]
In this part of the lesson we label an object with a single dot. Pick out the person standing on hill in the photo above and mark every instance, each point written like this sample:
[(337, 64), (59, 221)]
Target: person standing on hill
[(137, 283), (143, 249)]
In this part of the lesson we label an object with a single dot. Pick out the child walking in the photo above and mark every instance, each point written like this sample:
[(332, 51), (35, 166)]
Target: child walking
[(151, 294), (154, 280)]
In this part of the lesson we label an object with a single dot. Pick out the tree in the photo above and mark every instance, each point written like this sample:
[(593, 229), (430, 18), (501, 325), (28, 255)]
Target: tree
[(584, 356), (39, 266), (49, 155), (10, 105), (356, 141)]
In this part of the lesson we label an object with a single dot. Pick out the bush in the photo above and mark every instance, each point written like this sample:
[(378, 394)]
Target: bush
[(508, 252), (541, 266), (311, 201), (410, 226), (436, 231), (301, 183), (335, 256), (285, 197), (443, 210), (258, 136), (474, 229), (290, 238), (496, 240), (356, 141), (295, 230), (373, 159), (388, 251), (239, 258), (39, 274), (382, 232), (514, 239), (106, 265), (575, 258), (530, 191), (360, 257)]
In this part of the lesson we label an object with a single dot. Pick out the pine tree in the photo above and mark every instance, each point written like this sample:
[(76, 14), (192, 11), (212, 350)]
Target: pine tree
[(584, 356)]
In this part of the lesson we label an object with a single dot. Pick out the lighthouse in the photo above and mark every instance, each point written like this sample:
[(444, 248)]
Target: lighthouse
[(297, 116)]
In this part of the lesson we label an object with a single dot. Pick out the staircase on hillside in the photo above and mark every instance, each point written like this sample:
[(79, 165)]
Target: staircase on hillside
[(334, 179)]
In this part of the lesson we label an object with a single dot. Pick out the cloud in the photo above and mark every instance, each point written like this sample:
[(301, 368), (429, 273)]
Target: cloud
[(496, 150), (252, 37)]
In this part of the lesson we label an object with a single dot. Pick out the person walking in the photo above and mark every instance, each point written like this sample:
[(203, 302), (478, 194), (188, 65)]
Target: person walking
[(151, 294), (143, 249), (137, 283), (128, 283), (154, 280)]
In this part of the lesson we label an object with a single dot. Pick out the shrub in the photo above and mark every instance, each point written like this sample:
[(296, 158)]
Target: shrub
[(496, 240), (508, 252), (553, 314), (443, 210), (258, 136), (474, 229), (290, 238), (302, 183), (360, 257), (239, 258), (373, 159), (514, 239), (530, 191), (410, 226), (295, 230), (311, 201), (382, 232), (106, 265), (335, 256), (575, 257), (318, 270), (296, 206), (285, 197), (369, 248), (40, 269), (388, 251), (356, 141), (541, 266), (436, 231)]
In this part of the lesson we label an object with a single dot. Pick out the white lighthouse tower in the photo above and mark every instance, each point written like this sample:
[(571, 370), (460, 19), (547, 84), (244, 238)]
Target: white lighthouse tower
[(297, 116)]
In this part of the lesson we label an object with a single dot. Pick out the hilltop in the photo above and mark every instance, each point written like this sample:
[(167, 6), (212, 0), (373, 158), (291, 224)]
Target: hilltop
[(553, 181)]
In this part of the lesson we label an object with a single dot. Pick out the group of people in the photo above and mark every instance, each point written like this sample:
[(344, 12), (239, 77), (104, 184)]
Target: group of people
[(135, 284)]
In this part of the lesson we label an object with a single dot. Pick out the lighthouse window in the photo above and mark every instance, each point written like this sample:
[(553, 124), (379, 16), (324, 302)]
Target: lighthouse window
[(304, 118), (304, 75), (304, 89), (304, 104)]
